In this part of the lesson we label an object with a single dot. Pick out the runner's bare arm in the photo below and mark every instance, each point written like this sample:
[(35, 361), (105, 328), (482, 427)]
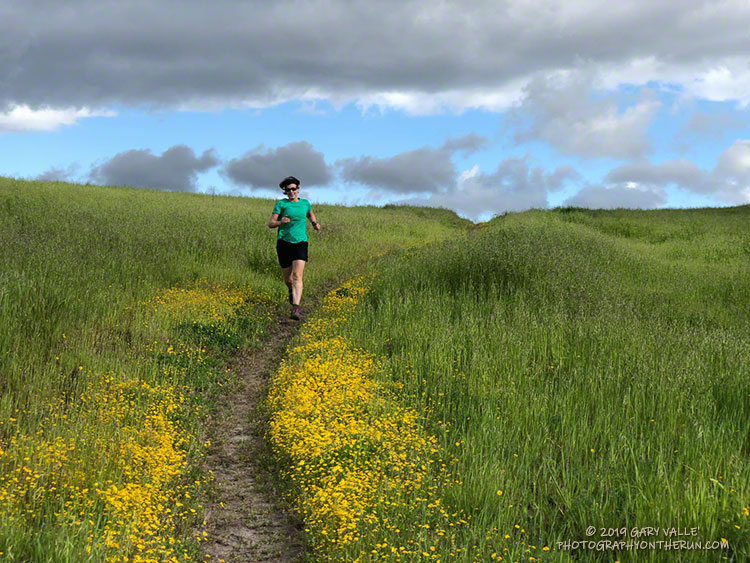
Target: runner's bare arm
[(274, 221), (311, 216)]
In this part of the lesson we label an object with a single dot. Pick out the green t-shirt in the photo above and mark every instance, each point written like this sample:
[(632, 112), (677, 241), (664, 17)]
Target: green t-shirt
[(294, 230)]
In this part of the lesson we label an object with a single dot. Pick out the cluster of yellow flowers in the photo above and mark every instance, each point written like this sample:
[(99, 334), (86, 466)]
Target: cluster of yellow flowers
[(110, 464), (206, 302), (143, 510), (360, 465)]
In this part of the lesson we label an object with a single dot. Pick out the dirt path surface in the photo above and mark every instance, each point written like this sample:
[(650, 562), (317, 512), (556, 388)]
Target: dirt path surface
[(245, 524)]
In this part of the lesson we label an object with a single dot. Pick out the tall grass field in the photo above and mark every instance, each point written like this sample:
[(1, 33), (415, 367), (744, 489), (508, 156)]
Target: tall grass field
[(562, 385), (588, 372), (118, 309)]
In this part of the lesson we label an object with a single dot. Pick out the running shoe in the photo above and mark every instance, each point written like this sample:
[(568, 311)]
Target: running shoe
[(295, 313)]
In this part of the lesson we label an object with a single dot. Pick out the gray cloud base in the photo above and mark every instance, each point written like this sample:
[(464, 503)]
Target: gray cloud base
[(175, 170), (83, 53), (701, 125), (613, 197), (513, 186), (729, 180), (466, 144), (420, 170), (261, 168), (682, 173), (429, 176), (58, 174)]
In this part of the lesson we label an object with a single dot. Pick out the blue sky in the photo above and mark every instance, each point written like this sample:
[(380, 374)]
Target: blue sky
[(482, 107)]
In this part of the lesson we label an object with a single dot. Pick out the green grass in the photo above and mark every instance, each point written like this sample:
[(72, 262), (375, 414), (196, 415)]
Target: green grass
[(80, 324), (594, 366), (75, 256), (591, 365)]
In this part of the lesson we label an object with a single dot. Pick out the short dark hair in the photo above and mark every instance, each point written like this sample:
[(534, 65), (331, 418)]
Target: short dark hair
[(288, 180)]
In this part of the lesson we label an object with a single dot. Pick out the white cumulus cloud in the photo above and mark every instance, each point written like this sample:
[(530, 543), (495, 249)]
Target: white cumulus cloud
[(561, 110), (18, 118)]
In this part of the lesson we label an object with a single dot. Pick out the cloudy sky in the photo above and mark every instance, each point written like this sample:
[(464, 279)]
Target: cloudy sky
[(481, 107)]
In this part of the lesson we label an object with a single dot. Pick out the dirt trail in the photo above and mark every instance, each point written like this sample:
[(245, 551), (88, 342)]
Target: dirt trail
[(250, 527)]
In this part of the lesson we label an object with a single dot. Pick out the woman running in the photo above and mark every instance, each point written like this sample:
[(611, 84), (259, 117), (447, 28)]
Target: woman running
[(289, 216)]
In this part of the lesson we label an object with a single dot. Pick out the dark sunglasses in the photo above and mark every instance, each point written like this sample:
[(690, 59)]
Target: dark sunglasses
[(291, 189)]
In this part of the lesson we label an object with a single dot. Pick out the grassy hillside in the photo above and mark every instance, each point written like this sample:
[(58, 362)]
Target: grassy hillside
[(491, 395), (117, 307), (582, 368)]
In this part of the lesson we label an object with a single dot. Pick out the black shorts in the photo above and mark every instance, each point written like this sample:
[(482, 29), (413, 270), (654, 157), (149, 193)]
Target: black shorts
[(290, 251)]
